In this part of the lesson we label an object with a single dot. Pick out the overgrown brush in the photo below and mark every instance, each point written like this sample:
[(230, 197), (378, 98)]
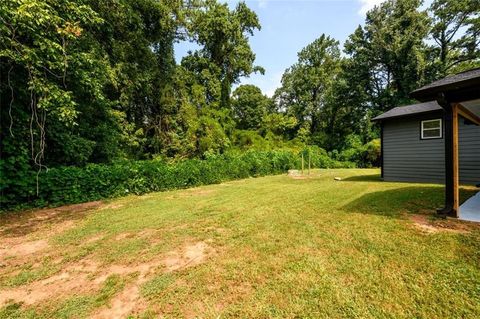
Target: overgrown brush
[(67, 185)]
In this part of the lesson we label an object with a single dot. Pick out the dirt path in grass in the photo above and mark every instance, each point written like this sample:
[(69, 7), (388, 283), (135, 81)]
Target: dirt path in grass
[(87, 276), (129, 300), (26, 250), (57, 219), (24, 235)]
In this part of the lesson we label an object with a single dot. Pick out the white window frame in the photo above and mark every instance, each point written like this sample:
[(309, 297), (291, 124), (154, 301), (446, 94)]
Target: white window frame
[(422, 129)]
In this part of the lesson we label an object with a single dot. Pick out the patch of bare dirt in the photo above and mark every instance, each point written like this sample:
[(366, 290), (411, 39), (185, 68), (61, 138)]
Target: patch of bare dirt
[(427, 224), (129, 300), (296, 174), (75, 278), (93, 239), (13, 248), (23, 235), (87, 276), (199, 192), (191, 193), (84, 266), (55, 219), (124, 236), (60, 284), (148, 234), (112, 206), (188, 256), (193, 309), (125, 303), (422, 223)]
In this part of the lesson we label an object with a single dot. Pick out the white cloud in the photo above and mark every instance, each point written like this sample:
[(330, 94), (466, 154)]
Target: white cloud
[(367, 5)]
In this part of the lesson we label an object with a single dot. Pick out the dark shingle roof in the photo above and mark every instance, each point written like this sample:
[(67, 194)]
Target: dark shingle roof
[(449, 83), (409, 110)]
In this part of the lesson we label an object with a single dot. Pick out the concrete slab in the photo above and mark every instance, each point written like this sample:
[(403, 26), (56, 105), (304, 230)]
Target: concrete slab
[(470, 209)]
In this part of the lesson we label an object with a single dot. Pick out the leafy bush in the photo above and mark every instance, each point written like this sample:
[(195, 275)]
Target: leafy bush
[(96, 181), (67, 185), (319, 158), (363, 155), (372, 153)]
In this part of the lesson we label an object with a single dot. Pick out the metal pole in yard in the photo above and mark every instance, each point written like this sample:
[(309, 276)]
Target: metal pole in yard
[(309, 161), (302, 163)]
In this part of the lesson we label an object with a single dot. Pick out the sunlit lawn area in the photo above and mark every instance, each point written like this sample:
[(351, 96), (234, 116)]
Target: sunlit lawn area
[(264, 247)]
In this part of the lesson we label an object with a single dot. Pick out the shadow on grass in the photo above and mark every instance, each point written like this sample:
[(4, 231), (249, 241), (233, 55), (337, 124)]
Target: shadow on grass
[(17, 224), (414, 199), (364, 178)]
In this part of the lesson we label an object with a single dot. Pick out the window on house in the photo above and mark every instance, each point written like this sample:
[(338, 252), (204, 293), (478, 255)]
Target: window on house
[(431, 129)]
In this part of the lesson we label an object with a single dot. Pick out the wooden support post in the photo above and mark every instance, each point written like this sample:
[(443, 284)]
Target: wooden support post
[(455, 172), (381, 150)]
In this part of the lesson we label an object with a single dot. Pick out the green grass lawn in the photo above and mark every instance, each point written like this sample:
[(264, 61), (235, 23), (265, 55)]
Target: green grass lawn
[(265, 247)]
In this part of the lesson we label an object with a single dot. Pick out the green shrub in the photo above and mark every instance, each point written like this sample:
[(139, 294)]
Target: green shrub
[(67, 185), (319, 158), (366, 155), (372, 153)]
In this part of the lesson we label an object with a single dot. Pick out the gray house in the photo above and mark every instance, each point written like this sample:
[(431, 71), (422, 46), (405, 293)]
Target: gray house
[(413, 145), (437, 140)]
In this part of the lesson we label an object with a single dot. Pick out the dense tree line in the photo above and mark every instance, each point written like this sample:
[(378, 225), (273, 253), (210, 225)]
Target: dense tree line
[(398, 49), (86, 81)]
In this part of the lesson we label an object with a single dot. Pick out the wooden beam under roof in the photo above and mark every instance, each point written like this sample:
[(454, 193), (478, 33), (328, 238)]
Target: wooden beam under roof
[(466, 113)]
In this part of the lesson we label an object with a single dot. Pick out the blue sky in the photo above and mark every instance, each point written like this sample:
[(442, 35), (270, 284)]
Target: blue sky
[(288, 26)]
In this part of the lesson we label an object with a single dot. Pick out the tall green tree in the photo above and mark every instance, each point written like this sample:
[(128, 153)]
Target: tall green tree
[(138, 39), (249, 106), (306, 86), (52, 77), (456, 33), (389, 52), (223, 36)]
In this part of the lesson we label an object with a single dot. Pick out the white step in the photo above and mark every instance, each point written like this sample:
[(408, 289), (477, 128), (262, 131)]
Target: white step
[(470, 209)]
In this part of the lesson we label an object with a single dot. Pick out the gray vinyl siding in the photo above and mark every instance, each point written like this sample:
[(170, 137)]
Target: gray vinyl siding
[(406, 157), (469, 153)]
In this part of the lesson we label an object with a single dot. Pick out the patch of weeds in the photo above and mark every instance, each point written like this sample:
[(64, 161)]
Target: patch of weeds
[(112, 285), (157, 285), (273, 311), (77, 306), (29, 274), (81, 306), (14, 311), (80, 253), (149, 314), (76, 236), (125, 248)]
